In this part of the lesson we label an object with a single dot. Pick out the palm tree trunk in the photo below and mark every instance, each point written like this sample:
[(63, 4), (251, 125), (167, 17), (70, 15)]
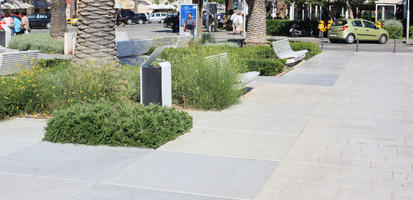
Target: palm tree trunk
[(96, 31), (257, 27), (281, 9), (199, 23), (229, 10), (58, 21), (350, 10)]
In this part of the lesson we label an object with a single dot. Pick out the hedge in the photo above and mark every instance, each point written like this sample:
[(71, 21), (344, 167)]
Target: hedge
[(278, 27), (117, 124)]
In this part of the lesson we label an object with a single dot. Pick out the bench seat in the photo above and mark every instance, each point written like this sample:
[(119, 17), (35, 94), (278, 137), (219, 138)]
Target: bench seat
[(283, 50)]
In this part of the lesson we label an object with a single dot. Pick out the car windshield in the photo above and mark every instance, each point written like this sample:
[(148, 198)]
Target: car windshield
[(339, 22)]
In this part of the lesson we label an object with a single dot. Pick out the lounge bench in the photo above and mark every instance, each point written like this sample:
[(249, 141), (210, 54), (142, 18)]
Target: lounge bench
[(246, 79), (283, 50), (11, 61)]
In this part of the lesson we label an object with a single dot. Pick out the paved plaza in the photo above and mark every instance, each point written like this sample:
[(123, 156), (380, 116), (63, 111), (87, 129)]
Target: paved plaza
[(338, 126)]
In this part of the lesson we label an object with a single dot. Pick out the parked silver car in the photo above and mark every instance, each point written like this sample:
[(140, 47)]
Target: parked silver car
[(157, 17)]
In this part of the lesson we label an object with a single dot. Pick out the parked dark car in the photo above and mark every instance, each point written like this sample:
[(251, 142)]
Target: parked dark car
[(168, 21), (172, 21), (127, 17), (141, 18), (39, 20)]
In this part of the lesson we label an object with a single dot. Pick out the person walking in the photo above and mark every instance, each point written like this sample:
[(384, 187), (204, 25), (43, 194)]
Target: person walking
[(17, 26), (8, 21), (25, 23), (234, 26), (190, 24), (238, 23)]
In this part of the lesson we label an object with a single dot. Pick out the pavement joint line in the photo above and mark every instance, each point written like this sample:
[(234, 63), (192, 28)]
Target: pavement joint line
[(47, 177), (344, 185), (179, 192), (83, 191), (221, 156), (246, 131)]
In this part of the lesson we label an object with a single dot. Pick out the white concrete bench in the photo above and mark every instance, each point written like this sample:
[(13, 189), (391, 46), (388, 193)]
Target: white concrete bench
[(246, 79), (11, 61), (283, 50)]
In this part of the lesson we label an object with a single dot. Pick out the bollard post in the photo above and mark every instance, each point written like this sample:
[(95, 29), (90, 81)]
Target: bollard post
[(357, 46), (394, 46), (322, 42)]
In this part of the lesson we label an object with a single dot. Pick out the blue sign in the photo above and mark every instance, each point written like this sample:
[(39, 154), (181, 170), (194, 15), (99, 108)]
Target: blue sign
[(185, 11)]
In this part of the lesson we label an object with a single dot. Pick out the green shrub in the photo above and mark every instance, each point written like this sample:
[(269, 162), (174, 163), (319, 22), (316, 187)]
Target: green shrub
[(267, 66), (279, 27), (51, 85), (411, 31), (117, 124), (199, 85), (312, 48), (394, 27), (37, 41)]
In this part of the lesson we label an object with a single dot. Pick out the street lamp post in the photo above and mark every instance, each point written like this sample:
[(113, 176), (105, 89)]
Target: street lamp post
[(408, 22)]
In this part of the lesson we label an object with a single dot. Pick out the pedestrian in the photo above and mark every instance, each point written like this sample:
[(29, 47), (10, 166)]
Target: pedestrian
[(190, 24), (25, 23), (238, 22), (8, 21), (273, 15), (234, 27), (17, 26)]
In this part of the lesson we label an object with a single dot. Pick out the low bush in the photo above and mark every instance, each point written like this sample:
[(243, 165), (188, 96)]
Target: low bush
[(277, 27), (313, 48), (37, 41), (394, 27), (117, 124), (411, 31), (199, 85), (266, 66), (52, 85)]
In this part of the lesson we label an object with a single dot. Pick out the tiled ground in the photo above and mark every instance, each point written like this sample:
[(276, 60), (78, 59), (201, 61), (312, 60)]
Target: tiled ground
[(336, 127)]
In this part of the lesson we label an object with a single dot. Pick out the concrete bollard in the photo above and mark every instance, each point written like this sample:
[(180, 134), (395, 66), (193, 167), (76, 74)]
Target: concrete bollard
[(7, 35)]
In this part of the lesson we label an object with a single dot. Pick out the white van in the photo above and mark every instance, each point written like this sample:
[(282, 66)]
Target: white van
[(157, 17)]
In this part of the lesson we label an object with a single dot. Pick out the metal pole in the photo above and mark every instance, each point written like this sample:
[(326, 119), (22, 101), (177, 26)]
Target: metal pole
[(408, 22), (357, 46), (394, 47), (244, 6), (322, 43)]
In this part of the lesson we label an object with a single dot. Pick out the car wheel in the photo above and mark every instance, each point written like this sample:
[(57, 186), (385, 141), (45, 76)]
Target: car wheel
[(48, 25), (140, 21), (350, 39), (129, 21), (161, 21), (383, 39)]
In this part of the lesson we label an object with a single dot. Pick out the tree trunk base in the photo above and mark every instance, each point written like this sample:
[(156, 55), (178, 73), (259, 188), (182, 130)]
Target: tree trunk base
[(254, 43)]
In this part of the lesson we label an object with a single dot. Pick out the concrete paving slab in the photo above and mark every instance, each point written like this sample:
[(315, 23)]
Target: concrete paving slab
[(69, 161), (18, 187), (111, 192), (197, 174), (11, 145), (291, 125), (308, 79), (23, 128), (248, 145)]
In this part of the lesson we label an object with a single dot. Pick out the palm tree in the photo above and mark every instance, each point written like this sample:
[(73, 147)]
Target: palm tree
[(96, 31), (229, 10), (199, 23), (58, 21), (257, 27)]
